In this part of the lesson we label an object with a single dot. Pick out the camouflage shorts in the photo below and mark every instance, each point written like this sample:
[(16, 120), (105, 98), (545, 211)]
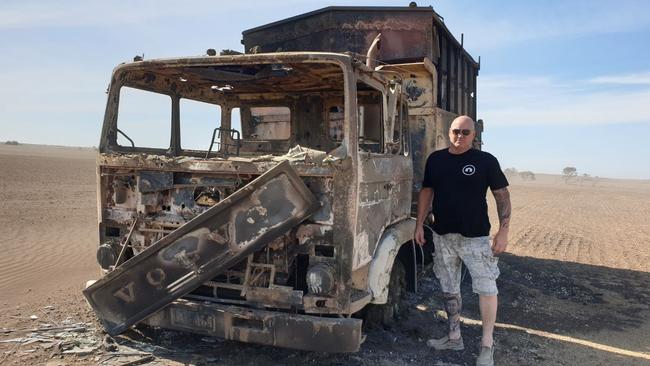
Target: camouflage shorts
[(476, 253)]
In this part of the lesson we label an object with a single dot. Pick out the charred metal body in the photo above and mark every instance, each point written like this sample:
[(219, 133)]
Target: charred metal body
[(206, 246), (353, 137), (262, 327), (438, 75), (409, 34)]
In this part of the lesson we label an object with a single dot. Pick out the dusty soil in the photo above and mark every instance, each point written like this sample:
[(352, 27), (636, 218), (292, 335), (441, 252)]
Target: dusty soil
[(575, 286)]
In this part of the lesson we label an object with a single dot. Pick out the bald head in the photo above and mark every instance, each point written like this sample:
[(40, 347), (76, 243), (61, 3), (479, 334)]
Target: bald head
[(463, 122), (461, 134)]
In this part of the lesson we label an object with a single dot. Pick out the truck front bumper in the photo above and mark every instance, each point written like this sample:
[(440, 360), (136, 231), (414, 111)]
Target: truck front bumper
[(304, 332)]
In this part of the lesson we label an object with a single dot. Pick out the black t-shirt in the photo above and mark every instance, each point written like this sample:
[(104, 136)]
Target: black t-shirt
[(459, 185)]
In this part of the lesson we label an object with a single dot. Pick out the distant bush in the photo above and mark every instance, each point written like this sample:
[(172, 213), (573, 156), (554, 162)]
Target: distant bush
[(527, 175), (11, 143), (510, 172)]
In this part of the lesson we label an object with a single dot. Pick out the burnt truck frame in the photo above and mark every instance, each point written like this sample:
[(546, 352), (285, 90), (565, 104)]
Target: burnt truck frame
[(356, 136)]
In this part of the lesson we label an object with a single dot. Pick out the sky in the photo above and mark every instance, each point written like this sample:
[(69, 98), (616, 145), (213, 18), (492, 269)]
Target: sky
[(562, 83)]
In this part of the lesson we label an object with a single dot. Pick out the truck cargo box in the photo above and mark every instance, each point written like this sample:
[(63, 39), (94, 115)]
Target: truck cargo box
[(409, 34)]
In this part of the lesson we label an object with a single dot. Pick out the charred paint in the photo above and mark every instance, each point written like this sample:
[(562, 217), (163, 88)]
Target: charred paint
[(188, 256), (262, 327), (413, 91)]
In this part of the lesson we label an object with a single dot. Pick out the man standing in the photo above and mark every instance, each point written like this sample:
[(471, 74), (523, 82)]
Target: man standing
[(456, 181)]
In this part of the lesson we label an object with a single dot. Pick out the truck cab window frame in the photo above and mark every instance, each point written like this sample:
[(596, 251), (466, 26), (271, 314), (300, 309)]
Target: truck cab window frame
[(370, 112), (133, 124)]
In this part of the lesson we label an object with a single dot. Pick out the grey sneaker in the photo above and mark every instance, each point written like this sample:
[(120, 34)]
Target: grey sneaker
[(445, 343), (486, 356)]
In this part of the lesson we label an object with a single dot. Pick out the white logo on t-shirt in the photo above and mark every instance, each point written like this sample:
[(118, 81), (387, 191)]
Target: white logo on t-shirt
[(469, 169)]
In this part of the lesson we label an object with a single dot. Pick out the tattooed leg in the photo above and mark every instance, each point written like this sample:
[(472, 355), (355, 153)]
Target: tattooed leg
[(453, 305)]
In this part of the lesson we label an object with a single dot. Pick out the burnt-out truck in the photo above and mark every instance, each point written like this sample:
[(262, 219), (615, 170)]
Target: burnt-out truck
[(267, 196)]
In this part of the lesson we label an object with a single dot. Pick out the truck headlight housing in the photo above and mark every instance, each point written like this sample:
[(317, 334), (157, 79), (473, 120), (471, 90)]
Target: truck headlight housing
[(320, 279)]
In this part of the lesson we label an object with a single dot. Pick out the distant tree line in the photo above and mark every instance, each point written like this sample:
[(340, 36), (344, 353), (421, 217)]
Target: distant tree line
[(569, 175)]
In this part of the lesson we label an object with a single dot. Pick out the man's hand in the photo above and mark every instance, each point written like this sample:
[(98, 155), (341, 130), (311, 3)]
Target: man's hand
[(419, 235), (424, 206), (500, 242)]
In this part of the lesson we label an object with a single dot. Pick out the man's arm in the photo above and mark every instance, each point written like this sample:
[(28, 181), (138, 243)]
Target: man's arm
[(424, 206), (502, 198)]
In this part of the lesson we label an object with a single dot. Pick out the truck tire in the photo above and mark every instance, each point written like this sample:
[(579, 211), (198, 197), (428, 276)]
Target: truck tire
[(386, 314)]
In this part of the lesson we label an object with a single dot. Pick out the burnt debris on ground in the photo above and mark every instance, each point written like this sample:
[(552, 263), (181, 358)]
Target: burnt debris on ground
[(532, 294)]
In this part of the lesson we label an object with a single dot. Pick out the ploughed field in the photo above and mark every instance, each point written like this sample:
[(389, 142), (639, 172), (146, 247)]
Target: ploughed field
[(574, 288)]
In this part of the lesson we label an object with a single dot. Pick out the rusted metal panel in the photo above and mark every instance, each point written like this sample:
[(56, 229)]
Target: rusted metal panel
[(406, 32), (240, 166), (152, 181), (207, 245), (443, 120), (385, 183), (312, 333)]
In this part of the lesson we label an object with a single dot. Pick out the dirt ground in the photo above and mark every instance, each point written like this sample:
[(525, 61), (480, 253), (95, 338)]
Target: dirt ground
[(574, 288)]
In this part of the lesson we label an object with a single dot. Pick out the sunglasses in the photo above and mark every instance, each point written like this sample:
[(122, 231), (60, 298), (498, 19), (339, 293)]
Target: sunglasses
[(457, 131)]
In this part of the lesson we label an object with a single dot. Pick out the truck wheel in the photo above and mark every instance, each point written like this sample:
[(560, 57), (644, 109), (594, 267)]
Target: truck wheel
[(386, 314)]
